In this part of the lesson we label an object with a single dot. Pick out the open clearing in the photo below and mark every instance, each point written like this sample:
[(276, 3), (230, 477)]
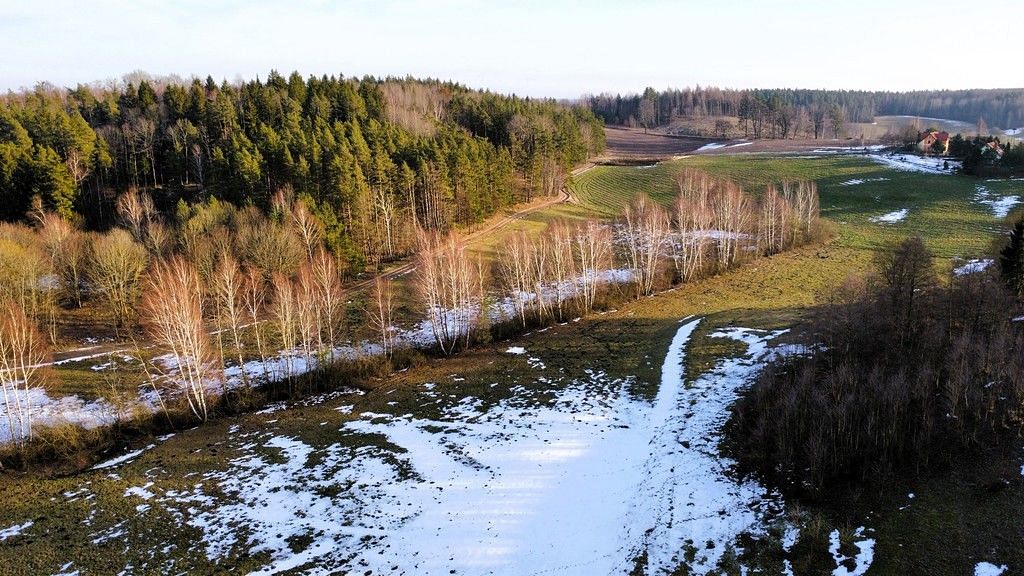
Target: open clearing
[(586, 448), (632, 144)]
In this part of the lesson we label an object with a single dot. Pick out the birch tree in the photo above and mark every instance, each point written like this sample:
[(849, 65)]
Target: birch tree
[(329, 298), (284, 311), (23, 356), (732, 218), (592, 245), (173, 316), (380, 313), (646, 229), (228, 291), (562, 265), (450, 290), (515, 266), (254, 300)]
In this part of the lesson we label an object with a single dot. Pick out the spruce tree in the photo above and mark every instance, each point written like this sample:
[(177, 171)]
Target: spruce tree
[(1011, 259)]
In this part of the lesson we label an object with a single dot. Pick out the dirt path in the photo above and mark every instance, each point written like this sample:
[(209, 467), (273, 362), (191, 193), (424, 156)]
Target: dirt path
[(474, 236)]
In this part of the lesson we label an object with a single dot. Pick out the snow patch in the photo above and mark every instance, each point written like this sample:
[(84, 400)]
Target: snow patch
[(711, 146), (515, 350), (891, 217), (988, 569), (15, 530), (121, 459), (973, 266), (1000, 205), (861, 562), (912, 163), (497, 488), (858, 181)]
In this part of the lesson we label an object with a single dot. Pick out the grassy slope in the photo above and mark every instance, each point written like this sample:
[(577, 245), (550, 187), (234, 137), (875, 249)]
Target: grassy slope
[(949, 527)]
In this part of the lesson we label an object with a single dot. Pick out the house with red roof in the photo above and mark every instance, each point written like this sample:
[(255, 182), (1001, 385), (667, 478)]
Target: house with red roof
[(926, 141)]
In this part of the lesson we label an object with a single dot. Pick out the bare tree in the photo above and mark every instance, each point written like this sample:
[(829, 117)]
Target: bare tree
[(540, 275), (116, 265), (806, 206), (450, 290), (68, 250), (283, 308), (380, 313), (694, 220), (173, 316), (307, 226), (773, 222), (562, 265), (732, 217), (646, 229), (228, 291), (135, 210), (307, 318), (515, 270), (23, 355), (254, 300), (593, 248), (329, 297)]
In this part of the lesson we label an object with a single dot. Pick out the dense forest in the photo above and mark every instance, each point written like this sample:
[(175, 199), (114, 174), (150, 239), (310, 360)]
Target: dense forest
[(374, 159), (778, 109)]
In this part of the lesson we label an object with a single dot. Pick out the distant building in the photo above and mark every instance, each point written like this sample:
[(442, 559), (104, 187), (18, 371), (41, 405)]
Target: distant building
[(926, 141), (992, 151)]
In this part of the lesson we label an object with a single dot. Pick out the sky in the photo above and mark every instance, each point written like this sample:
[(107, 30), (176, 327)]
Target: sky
[(553, 48)]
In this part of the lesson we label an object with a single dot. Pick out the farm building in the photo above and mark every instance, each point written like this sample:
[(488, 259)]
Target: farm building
[(926, 141)]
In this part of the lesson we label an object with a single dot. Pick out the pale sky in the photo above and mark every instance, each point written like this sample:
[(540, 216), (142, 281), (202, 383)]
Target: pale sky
[(550, 48)]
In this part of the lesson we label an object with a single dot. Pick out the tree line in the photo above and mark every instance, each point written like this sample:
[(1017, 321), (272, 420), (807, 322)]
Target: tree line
[(988, 156), (768, 113), (232, 297), (373, 158), (569, 268)]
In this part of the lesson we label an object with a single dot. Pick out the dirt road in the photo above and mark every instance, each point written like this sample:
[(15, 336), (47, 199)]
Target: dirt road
[(495, 223)]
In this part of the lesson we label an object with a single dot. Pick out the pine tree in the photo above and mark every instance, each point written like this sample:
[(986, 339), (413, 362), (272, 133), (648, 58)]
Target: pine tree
[(1011, 259)]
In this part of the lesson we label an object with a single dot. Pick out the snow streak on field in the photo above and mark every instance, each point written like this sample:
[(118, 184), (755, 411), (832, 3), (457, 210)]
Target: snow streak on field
[(584, 481), (912, 163), (891, 217), (1000, 205)]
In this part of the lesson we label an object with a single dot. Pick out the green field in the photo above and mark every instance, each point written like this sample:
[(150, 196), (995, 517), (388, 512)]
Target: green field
[(942, 209)]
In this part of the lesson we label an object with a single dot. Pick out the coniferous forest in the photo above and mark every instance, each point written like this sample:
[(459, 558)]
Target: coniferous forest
[(997, 107), (374, 159)]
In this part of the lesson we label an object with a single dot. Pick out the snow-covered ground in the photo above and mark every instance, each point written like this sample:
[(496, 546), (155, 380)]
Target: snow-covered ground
[(711, 146), (48, 410), (578, 476), (914, 163), (1000, 205), (891, 217), (988, 569), (15, 530), (857, 181), (861, 562), (972, 266)]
